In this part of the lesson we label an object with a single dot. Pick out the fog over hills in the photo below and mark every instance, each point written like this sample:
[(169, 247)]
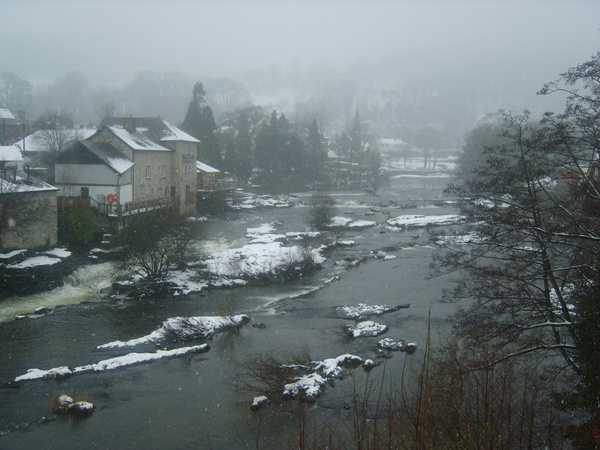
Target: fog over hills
[(303, 56)]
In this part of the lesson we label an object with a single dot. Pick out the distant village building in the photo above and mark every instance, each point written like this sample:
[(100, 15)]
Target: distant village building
[(131, 162), (10, 130), (28, 213), (10, 158), (395, 148), (35, 145)]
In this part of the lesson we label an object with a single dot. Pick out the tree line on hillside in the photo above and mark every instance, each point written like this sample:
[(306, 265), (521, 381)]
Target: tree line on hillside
[(424, 113), (148, 94)]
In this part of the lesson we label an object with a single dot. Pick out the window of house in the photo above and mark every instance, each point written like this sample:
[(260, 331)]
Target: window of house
[(162, 171), (141, 190), (148, 171)]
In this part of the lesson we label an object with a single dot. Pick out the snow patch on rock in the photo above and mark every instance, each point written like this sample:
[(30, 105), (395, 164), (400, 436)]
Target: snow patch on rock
[(367, 328), (412, 221), (184, 329), (362, 310), (346, 222), (110, 364)]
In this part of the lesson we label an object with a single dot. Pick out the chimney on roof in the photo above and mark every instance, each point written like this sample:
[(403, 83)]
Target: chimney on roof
[(129, 123)]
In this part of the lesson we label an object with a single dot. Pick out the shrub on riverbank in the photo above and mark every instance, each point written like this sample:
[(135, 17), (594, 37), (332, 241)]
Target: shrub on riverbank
[(321, 210), (78, 229)]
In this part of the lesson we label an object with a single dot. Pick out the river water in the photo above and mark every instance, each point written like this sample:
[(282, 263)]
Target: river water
[(192, 401)]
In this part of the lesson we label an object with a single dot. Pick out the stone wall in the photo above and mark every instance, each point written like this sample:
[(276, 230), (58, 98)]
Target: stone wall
[(32, 220)]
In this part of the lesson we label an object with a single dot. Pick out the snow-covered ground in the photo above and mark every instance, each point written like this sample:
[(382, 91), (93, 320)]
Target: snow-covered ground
[(264, 254), (46, 258), (412, 220)]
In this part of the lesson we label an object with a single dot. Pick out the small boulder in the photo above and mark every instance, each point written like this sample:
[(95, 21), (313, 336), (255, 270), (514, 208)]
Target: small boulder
[(369, 364), (81, 409), (259, 402), (64, 401), (410, 348)]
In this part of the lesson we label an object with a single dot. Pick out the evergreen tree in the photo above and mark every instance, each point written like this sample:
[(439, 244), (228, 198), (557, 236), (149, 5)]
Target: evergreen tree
[(237, 139), (316, 152), (200, 123), (268, 144)]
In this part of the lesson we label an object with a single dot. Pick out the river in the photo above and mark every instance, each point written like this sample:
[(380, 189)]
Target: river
[(192, 401)]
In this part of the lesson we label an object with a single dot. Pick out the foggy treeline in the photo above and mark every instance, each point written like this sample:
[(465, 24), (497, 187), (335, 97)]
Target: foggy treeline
[(424, 109)]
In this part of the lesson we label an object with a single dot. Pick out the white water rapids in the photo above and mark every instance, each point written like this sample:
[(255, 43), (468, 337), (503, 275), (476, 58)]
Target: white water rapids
[(83, 284)]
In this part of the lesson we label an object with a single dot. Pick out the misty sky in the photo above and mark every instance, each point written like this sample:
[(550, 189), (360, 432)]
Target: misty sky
[(110, 40)]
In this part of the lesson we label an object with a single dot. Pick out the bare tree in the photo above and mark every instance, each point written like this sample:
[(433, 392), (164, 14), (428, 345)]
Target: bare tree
[(107, 109), (525, 262), (13, 91), (54, 133), (152, 244)]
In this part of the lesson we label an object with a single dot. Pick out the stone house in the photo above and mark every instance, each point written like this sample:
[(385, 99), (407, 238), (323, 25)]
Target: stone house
[(132, 161), (28, 212)]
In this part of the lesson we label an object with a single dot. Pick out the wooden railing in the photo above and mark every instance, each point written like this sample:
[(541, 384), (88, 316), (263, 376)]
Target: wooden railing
[(132, 208), (219, 185), (115, 209), (72, 202)]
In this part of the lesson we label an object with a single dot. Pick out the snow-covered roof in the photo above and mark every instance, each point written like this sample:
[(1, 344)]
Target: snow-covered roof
[(6, 114), (146, 133), (201, 167), (177, 134), (21, 183), (35, 142), (110, 155), (10, 153), (138, 140)]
